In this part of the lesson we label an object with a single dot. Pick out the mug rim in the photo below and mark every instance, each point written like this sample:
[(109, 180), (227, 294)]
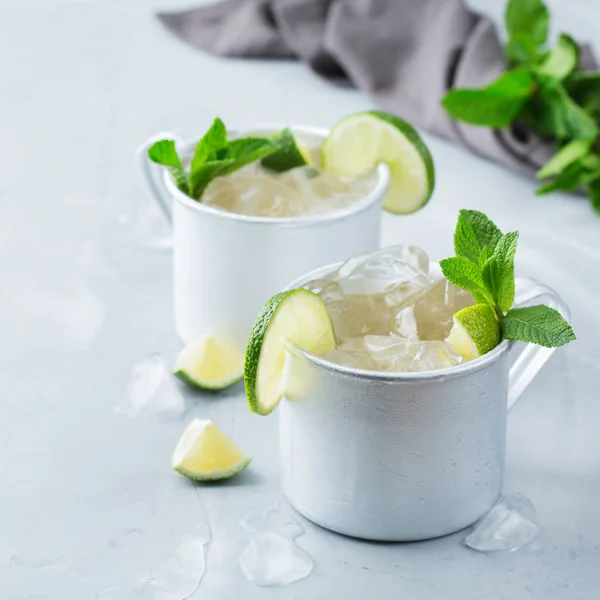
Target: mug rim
[(373, 196), (435, 375)]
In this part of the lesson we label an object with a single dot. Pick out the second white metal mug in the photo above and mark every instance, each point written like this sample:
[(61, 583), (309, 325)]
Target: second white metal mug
[(227, 265), (402, 456)]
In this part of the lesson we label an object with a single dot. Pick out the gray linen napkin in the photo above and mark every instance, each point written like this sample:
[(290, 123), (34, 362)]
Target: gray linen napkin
[(404, 53)]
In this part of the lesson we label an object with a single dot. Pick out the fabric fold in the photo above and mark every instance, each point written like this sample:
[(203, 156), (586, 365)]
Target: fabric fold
[(405, 54)]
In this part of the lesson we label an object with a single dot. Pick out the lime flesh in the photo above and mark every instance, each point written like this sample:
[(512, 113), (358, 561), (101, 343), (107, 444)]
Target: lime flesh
[(205, 453), (210, 363), (358, 143)]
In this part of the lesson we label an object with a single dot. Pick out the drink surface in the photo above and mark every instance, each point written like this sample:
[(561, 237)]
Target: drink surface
[(391, 313), (304, 190)]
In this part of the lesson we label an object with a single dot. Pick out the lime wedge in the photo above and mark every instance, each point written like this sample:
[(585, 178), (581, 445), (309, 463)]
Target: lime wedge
[(291, 153), (205, 453), (297, 317), (210, 363), (358, 143), (475, 332)]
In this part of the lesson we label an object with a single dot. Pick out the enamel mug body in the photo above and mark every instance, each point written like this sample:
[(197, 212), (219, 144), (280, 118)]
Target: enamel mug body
[(227, 265), (401, 457)]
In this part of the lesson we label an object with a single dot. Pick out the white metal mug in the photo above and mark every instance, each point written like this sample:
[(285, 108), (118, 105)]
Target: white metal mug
[(226, 265), (402, 457)]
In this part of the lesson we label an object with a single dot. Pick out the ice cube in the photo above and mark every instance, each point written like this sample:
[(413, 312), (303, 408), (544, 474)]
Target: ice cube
[(274, 520), (254, 193), (511, 524), (272, 559), (352, 353), (398, 270), (180, 576), (300, 191), (360, 314), (406, 324), (151, 390), (433, 355), (434, 309), (353, 315), (400, 355), (313, 183), (329, 290)]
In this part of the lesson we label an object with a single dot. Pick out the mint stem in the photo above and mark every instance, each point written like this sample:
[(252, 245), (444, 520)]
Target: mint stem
[(499, 312)]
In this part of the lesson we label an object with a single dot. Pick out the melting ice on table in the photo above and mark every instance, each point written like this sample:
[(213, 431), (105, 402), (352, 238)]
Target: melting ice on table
[(511, 524), (151, 390), (272, 556)]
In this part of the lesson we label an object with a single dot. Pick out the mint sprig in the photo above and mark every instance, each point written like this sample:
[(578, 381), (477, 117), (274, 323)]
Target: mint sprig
[(214, 156), (164, 153), (485, 266), (545, 89)]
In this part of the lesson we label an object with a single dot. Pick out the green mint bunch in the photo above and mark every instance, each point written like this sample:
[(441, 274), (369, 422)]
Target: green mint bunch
[(485, 266), (216, 156), (544, 89)]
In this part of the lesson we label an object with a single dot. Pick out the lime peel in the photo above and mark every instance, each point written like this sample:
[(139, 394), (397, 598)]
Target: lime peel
[(475, 331), (290, 153), (298, 317)]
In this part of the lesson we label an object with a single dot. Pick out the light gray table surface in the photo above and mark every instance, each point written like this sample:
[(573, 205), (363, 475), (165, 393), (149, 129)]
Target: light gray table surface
[(89, 506)]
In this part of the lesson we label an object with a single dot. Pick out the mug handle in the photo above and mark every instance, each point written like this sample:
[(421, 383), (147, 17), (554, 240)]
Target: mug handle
[(533, 357), (154, 174)]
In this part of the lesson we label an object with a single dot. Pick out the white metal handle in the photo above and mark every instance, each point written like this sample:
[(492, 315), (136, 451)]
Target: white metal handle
[(533, 357), (154, 174)]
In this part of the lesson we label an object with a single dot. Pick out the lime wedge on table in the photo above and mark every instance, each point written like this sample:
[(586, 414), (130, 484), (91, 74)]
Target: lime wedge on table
[(297, 317), (475, 332), (205, 453), (210, 363), (291, 153), (360, 142)]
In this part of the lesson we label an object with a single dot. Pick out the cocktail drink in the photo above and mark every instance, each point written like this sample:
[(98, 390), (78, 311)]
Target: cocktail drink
[(299, 191), (391, 312)]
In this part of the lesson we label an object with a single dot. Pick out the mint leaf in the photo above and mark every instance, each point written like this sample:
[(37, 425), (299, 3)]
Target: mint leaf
[(592, 163), (544, 110), (164, 153), (578, 123), (486, 254), (554, 112), (204, 174), (485, 229), (465, 240), (522, 50), (540, 325), (562, 59), (211, 144), (528, 17), (572, 152), (214, 156), (584, 88), (594, 194), (498, 273), (493, 106), (244, 151), (460, 271), (570, 179)]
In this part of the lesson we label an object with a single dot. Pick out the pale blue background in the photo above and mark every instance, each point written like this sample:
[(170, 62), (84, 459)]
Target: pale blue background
[(87, 497)]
